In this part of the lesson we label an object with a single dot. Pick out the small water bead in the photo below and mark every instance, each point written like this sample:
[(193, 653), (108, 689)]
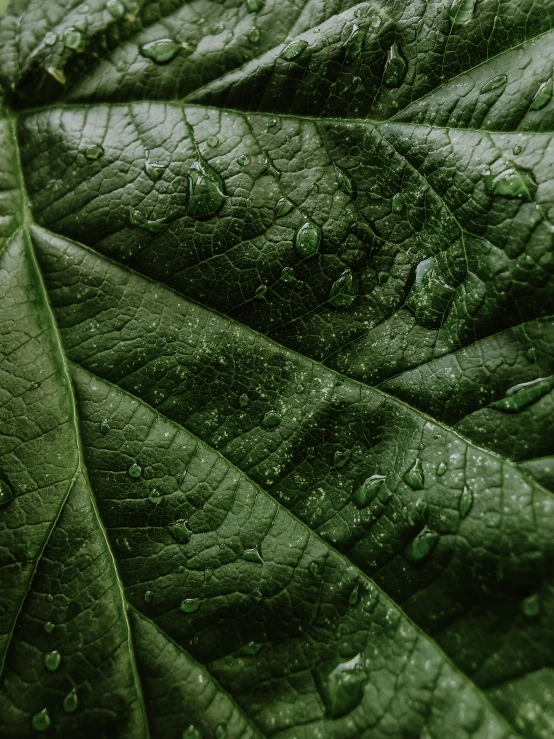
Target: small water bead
[(249, 649), (314, 568), (73, 39), (342, 293), (148, 597), (272, 122), (243, 160), (461, 11), (517, 149), (137, 220), (220, 732), (260, 292), (7, 493), (164, 50), (154, 170), (414, 476), (543, 95), (104, 426), (340, 684), (244, 400), (466, 501), (190, 605), (395, 67), (531, 606), (307, 239), (283, 207), (71, 701), (341, 458), (368, 490), (116, 9), (494, 83), (511, 182), (530, 354), (421, 547), (287, 275), (50, 38), (212, 141), (180, 531), (206, 195), (375, 21), (441, 469), (430, 296), (253, 555), (50, 598), (254, 35), (354, 43), (191, 732), (52, 660), (524, 394), (94, 151), (294, 49), (354, 596), (254, 6), (134, 471), (271, 420), (41, 721), (299, 389), (397, 203), (375, 192), (57, 74)]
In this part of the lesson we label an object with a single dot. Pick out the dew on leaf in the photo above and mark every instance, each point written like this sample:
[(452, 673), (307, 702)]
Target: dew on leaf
[(511, 182), (543, 95), (283, 207), (461, 11), (254, 6), (344, 182), (395, 67), (164, 50), (517, 149), (104, 426), (137, 220), (134, 471), (94, 151), (441, 469), (271, 420), (530, 354), (531, 606), (341, 458), (57, 74), (495, 82), (421, 547), (314, 568), (7, 493), (414, 476), (154, 170), (294, 49), (353, 45), (52, 660), (375, 21), (243, 160), (354, 596), (190, 605), (340, 684), (375, 192), (49, 627), (253, 555), (249, 649), (244, 400), (148, 596), (272, 122), (466, 501), (206, 195), (307, 239), (71, 701), (212, 141), (260, 292), (73, 39), (50, 38), (299, 389), (430, 295), (180, 531), (368, 491), (50, 598), (342, 293), (397, 203), (116, 9), (254, 35), (524, 394), (41, 720), (191, 732)]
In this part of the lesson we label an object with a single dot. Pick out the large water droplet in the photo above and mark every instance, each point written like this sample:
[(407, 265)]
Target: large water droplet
[(461, 11), (164, 50), (71, 701), (190, 605), (50, 38), (253, 555), (212, 141), (430, 296), (531, 606), (41, 720), (511, 182), (7, 493), (137, 220), (340, 684), (116, 9), (342, 293), (73, 39), (148, 596), (395, 67), (495, 82), (104, 426), (543, 95), (49, 627), (283, 207), (466, 501), (314, 568), (134, 471), (206, 195), (180, 531), (52, 660), (524, 394), (354, 43), (307, 239), (294, 49), (94, 151), (191, 732), (421, 547), (254, 6), (155, 497), (441, 469), (368, 491), (414, 476), (154, 170), (271, 420), (344, 182), (254, 35)]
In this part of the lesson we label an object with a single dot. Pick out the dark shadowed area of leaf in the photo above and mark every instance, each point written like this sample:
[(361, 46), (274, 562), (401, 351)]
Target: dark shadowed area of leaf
[(277, 369)]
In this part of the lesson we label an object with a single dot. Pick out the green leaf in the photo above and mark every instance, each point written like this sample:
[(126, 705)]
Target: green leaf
[(276, 377)]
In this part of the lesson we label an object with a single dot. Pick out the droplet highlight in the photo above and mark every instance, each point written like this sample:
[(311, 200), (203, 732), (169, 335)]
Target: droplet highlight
[(253, 555), (180, 531), (340, 684), (524, 394), (164, 50), (94, 152), (71, 701), (494, 83), (341, 458), (543, 95), (342, 293), (511, 182), (283, 207), (307, 240), (73, 39), (293, 50), (41, 721), (531, 606), (116, 9), (271, 420), (206, 194), (190, 605), (414, 477), (368, 491), (52, 660), (421, 547), (461, 11), (466, 501), (353, 45), (134, 471), (395, 67)]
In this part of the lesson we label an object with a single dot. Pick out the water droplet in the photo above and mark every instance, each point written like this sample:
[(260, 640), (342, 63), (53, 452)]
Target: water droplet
[(50, 38), (397, 203), (52, 660), (137, 220), (294, 49), (441, 469), (307, 239), (249, 649), (354, 596), (368, 491), (154, 170), (155, 497), (430, 296), (116, 9), (466, 501), (260, 292), (287, 275), (212, 141), (495, 82), (517, 149), (341, 458), (375, 21), (244, 400), (254, 35), (243, 160), (254, 6), (206, 195), (190, 605), (340, 684), (148, 596), (50, 598), (93, 152), (180, 531), (134, 471), (253, 555), (395, 67), (421, 547), (71, 701), (104, 426), (7, 493), (531, 606), (57, 74), (511, 182), (461, 11), (49, 627), (73, 39), (41, 721), (375, 192), (299, 389), (530, 354), (314, 568), (354, 43), (543, 95), (344, 182), (272, 419), (342, 293), (283, 207), (192, 732), (272, 122), (524, 394), (164, 50), (414, 476)]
